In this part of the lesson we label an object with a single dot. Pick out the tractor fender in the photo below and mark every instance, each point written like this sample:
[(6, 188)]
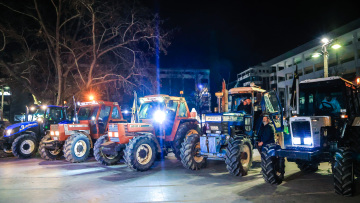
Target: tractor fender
[(86, 134), (191, 120), (153, 137)]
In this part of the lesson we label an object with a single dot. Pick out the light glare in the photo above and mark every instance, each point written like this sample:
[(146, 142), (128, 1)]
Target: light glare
[(336, 46), (308, 141), (325, 40), (296, 140)]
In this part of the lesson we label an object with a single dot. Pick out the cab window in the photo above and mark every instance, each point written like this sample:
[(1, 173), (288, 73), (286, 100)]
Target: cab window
[(115, 113), (182, 110), (104, 113), (55, 114)]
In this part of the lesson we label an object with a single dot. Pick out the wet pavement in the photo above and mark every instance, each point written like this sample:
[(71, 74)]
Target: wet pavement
[(36, 180)]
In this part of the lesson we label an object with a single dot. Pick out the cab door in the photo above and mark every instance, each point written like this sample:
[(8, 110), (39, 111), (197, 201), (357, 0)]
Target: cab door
[(271, 106)]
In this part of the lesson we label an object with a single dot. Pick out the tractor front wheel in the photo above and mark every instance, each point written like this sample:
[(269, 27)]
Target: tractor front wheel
[(25, 146), (184, 131), (46, 153), (190, 153), (238, 157), (343, 172), (140, 153), (105, 159), (272, 167), (77, 148)]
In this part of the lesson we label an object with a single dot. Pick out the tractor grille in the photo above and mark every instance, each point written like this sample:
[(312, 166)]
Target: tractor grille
[(301, 129)]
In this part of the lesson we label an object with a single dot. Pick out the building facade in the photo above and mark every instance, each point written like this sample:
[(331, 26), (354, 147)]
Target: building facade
[(191, 82), (259, 75), (342, 62)]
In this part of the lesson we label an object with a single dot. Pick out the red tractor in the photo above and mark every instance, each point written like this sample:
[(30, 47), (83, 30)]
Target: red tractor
[(164, 123), (75, 140)]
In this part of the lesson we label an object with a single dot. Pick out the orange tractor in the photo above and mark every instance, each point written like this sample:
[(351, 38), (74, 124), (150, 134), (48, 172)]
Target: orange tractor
[(163, 124), (75, 140)]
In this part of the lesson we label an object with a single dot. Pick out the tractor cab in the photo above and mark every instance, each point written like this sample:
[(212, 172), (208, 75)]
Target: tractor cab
[(164, 112), (37, 121)]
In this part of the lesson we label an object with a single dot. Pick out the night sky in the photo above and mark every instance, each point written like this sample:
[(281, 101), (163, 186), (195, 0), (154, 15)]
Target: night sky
[(233, 35)]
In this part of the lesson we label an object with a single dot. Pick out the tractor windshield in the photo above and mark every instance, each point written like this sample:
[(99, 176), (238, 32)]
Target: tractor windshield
[(240, 103), (148, 109), (321, 101), (39, 113), (88, 112)]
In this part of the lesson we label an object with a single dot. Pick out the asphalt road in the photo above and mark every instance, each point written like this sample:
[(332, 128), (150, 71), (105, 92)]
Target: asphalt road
[(36, 180)]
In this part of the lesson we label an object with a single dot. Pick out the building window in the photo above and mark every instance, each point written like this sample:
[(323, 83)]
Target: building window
[(308, 70), (281, 68), (281, 79)]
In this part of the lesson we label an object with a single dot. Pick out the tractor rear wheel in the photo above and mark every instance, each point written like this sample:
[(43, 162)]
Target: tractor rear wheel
[(46, 153), (343, 172), (105, 159), (190, 157), (25, 146), (238, 157), (272, 167), (140, 153), (184, 131), (307, 166), (77, 148)]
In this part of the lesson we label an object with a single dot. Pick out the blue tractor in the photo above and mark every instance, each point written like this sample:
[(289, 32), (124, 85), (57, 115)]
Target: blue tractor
[(22, 139), (231, 135)]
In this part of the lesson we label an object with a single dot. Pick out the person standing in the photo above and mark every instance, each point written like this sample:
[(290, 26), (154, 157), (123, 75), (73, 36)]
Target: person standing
[(266, 134)]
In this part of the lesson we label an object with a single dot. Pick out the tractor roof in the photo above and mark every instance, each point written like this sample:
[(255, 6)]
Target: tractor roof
[(238, 90), (98, 102), (157, 97), (334, 78)]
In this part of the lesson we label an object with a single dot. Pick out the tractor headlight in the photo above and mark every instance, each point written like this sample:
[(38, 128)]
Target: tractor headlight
[(116, 134), (40, 120), (308, 141), (57, 133), (8, 132), (296, 140), (52, 133), (110, 134), (159, 116)]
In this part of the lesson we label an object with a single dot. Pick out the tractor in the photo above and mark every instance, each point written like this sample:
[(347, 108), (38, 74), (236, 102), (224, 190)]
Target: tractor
[(75, 140), (231, 135), (163, 124), (324, 128), (22, 139)]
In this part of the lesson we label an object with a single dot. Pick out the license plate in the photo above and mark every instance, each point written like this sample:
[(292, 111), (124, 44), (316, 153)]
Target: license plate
[(56, 138)]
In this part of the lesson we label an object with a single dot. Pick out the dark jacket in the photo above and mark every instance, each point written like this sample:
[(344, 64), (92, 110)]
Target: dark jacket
[(266, 134)]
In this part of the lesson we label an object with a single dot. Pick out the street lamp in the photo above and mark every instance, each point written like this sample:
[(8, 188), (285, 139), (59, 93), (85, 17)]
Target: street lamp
[(326, 42)]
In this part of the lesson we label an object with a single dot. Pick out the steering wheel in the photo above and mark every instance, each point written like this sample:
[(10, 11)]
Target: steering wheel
[(327, 107)]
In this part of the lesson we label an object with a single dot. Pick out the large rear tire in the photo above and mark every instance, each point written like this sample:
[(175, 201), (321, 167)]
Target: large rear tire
[(272, 167), (140, 153), (77, 148), (25, 146), (190, 157), (307, 166), (184, 130), (343, 172), (238, 157), (105, 159), (47, 154)]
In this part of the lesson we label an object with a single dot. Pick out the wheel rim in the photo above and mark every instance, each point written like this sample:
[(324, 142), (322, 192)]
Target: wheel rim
[(109, 156), (196, 154), (191, 132), (144, 154), (80, 148), (55, 152), (245, 155), (27, 146)]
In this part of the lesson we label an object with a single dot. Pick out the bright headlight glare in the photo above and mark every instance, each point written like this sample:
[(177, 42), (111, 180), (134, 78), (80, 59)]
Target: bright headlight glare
[(110, 134), (52, 133), (116, 134), (308, 141), (57, 133), (8, 132), (159, 116), (296, 140)]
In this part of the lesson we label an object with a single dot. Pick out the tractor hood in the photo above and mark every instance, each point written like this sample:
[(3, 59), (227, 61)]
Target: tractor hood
[(19, 127), (219, 117)]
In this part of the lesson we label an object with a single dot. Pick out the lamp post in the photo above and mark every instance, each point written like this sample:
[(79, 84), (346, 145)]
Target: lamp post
[(326, 42)]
